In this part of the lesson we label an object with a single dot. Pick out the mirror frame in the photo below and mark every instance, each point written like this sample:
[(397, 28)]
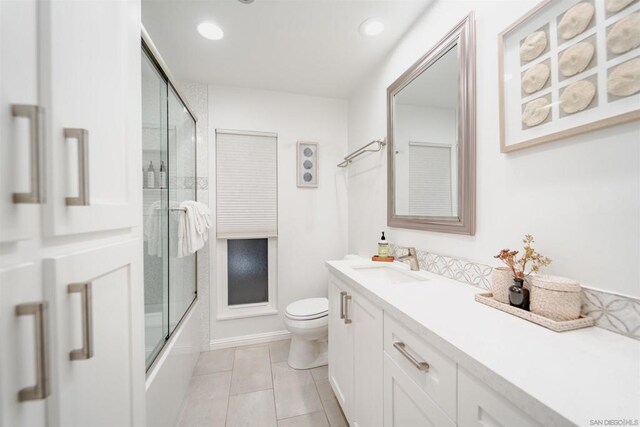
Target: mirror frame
[(463, 34)]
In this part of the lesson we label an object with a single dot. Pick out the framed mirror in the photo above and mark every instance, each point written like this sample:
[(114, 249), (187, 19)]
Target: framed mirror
[(431, 134)]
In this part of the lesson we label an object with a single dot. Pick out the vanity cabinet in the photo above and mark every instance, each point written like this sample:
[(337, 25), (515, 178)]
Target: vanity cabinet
[(383, 373), (355, 366)]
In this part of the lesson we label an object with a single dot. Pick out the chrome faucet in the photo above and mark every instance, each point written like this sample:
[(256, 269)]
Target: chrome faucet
[(413, 259)]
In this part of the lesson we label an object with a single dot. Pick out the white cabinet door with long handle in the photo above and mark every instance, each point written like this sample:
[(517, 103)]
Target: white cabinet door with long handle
[(25, 352), (368, 362), (21, 132), (340, 345), (90, 83), (99, 353)]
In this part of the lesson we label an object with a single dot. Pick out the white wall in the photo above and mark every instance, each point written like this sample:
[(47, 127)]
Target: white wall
[(312, 222), (579, 197)]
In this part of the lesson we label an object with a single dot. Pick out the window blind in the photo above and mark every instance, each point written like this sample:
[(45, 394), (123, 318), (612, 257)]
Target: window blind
[(429, 180), (246, 184)]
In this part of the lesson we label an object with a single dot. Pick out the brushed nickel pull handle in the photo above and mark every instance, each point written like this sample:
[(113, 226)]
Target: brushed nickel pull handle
[(402, 348), (86, 352), (41, 389), (347, 298), (82, 135), (342, 295), (35, 115)]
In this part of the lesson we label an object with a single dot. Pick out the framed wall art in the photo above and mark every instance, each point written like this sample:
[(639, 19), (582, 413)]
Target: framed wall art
[(568, 67), (307, 164)]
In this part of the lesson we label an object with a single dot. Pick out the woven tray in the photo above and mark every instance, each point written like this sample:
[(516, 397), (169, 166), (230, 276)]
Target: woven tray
[(382, 258), (569, 325)]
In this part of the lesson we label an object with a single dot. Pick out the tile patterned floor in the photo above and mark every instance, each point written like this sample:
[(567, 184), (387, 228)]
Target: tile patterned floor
[(253, 386)]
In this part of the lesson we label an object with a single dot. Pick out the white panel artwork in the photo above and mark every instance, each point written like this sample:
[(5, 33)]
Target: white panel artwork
[(569, 67), (307, 164)]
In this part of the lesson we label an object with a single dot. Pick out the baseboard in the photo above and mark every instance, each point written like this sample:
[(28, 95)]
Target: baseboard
[(249, 339)]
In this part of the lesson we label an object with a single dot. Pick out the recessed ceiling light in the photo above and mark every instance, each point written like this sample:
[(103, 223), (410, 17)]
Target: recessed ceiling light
[(371, 27), (210, 31)]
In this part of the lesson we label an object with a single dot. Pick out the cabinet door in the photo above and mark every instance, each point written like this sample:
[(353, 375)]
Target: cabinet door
[(20, 131), (340, 347), (368, 361), (405, 404), (91, 92), (99, 349), (480, 406), (24, 331)]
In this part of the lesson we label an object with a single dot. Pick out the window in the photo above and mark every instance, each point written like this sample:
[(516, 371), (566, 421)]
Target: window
[(247, 271), (431, 191), (246, 223)]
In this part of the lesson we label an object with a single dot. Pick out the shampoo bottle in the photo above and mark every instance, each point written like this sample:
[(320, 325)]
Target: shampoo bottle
[(151, 176), (383, 247), (162, 176)]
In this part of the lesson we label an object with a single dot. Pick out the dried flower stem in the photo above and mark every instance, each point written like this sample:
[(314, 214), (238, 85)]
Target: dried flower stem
[(519, 266)]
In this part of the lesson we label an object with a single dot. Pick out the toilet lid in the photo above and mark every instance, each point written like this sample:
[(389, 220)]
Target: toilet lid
[(307, 309)]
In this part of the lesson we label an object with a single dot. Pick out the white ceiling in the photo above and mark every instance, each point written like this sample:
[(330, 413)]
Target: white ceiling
[(301, 46)]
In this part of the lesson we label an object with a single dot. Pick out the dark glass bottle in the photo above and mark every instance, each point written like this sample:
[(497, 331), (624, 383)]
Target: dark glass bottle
[(518, 295)]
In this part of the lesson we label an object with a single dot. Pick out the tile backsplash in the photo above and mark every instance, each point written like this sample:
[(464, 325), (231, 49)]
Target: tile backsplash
[(616, 313)]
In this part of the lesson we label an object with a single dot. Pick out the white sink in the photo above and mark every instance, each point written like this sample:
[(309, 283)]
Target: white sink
[(387, 274)]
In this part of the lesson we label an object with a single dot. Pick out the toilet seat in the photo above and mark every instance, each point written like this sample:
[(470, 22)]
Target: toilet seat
[(308, 309)]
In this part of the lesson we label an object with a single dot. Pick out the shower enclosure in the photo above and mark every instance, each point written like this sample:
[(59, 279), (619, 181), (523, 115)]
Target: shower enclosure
[(169, 178)]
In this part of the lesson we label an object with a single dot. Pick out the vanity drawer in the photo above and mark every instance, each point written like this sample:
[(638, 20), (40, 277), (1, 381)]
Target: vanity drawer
[(433, 372), (405, 404)]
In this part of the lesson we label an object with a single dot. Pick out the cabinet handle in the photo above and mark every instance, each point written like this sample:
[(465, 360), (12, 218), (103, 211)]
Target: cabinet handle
[(347, 298), (402, 348), (41, 389), (86, 352), (342, 295), (82, 135), (35, 115)]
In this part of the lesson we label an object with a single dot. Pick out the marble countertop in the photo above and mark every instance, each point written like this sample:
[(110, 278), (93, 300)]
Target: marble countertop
[(575, 377)]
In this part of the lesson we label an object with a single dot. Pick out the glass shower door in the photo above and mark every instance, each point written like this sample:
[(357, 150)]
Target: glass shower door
[(155, 205), (182, 187), (169, 179)]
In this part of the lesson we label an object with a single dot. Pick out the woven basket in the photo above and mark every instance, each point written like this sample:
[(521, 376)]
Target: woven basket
[(555, 297), (501, 281)]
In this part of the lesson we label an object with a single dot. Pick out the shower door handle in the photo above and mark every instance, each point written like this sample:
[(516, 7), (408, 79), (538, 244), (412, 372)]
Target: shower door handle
[(86, 352), (35, 115), (41, 389), (82, 136)]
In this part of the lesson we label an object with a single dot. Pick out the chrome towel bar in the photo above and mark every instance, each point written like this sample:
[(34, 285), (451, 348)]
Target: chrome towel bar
[(347, 160)]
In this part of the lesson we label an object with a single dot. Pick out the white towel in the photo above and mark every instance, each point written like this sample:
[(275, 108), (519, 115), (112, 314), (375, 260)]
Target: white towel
[(153, 228), (193, 228)]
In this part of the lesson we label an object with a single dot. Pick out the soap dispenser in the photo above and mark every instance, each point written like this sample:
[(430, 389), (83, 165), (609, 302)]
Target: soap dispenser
[(383, 247)]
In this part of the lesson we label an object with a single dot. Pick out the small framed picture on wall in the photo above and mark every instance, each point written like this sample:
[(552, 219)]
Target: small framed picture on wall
[(307, 164), (568, 67)]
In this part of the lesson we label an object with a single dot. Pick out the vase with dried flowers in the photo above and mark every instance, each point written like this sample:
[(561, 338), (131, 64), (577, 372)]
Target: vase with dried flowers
[(530, 262)]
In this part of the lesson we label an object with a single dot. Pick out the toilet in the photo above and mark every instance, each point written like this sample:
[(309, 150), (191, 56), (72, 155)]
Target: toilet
[(308, 320)]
